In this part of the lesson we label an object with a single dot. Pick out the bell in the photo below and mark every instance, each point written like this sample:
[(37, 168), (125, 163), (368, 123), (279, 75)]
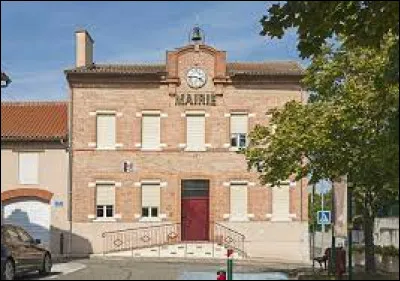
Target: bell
[(196, 34)]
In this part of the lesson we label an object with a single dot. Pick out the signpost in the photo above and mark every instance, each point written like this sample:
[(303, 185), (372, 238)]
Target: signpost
[(322, 190), (324, 217)]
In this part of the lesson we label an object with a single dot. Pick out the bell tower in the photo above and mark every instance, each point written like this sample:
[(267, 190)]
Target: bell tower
[(196, 36)]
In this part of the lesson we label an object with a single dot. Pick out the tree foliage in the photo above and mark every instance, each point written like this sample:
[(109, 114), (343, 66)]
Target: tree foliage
[(361, 23), (351, 124)]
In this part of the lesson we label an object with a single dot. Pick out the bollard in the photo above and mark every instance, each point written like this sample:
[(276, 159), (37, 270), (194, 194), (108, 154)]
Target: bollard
[(62, 244), (230, 264), (221, 275)]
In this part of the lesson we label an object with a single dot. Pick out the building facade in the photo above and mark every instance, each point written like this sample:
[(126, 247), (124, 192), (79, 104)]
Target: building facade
[(34, 171), (158, 143)]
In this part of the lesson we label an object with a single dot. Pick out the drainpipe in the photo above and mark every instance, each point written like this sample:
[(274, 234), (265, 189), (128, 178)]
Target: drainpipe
[(70, 173), (301, 200)]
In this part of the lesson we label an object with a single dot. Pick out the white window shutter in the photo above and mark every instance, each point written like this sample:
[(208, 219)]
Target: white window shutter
[(196, 125), (280, 203), (29, 168), (151, 195), (239, 123), (238, 201), (105, 194), (106, 131), (151, 131)]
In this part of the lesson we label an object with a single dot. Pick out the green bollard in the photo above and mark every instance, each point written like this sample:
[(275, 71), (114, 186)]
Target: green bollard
[(230, 264), (230, 269)]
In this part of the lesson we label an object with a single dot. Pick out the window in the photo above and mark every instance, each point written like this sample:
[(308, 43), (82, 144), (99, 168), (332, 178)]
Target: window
[(106, 131), (239, 130), (150, 200), (150, 212), (195, 130), (238, 201), (105, 200), (151, 131), (28, 168), (280, 203)]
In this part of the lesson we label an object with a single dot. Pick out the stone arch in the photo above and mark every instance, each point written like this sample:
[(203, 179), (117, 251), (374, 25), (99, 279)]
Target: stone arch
[(19, 193)]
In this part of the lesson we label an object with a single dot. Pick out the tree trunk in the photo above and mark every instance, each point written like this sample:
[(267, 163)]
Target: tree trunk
[(370, 265)]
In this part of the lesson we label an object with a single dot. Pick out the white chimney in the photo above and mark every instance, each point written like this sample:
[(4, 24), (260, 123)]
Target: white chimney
[(84, 48)]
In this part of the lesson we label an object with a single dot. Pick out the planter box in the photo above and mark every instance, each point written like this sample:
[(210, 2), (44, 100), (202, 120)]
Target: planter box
[(388, 264), (359, 258)]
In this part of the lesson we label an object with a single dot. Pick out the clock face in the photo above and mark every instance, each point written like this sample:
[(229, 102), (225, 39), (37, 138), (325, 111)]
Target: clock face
[(196, 78)]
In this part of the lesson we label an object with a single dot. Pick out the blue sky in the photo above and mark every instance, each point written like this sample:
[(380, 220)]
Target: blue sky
[(37, 38)]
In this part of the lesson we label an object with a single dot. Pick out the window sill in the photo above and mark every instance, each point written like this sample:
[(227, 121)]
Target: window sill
[(105, 148), (151, 149), (195, 150), (239, 219), (104, 220), (236, 149), (150, 219)]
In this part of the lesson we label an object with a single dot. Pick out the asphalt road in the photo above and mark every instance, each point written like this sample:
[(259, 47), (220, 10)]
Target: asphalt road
[(127, 269)]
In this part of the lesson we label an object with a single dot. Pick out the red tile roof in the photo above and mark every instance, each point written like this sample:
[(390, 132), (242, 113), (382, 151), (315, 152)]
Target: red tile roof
[(34, 121)]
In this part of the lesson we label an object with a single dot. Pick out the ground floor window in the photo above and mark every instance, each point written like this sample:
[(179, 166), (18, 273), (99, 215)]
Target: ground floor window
[(105, 200), (238, 201), (151, 200), (105, 211), (149, 212)]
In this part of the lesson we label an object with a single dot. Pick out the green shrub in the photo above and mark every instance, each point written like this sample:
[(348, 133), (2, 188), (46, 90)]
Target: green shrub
[(390, 251)]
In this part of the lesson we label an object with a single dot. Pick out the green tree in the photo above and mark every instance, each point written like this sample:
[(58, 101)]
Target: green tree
[(356, 23), (349, 128), (361, 23), (353, 120)]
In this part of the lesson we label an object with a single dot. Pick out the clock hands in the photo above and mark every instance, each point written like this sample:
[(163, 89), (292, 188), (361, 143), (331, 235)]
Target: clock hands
[(196, 76)]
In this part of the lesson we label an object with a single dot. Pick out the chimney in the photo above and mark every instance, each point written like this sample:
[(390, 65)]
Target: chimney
[(84, 48)]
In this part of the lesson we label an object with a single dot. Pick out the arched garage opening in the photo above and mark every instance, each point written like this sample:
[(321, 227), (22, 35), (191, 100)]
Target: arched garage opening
[(29, 208)]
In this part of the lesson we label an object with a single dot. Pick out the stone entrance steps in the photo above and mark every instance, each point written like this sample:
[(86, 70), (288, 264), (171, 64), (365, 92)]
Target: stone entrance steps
[(184, 250)]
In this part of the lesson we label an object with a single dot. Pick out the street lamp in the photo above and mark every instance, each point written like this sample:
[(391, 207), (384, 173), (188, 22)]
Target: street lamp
[(5, 80)]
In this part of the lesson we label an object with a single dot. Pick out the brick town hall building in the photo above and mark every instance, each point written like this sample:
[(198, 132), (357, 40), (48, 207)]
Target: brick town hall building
[(156, 144)]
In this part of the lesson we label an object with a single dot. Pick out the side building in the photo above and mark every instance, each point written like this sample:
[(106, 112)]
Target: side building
[(34, 171)]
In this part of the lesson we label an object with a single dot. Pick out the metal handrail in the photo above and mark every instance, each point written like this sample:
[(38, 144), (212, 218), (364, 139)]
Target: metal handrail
[(137, 228), (230, 238), (135, 238), (167, 234), (230, 229)]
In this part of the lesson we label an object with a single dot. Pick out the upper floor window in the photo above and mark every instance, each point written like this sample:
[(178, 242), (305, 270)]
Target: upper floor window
[(106, 131), (151, 131), (195, 132), (239, 124), (105, 200), (28, 168)]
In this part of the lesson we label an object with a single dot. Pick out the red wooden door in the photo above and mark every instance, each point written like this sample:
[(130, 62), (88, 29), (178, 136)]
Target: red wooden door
[(195, 211)]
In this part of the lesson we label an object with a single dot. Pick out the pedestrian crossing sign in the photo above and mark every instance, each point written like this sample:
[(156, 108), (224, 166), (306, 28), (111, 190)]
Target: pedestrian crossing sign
[(324, 217)]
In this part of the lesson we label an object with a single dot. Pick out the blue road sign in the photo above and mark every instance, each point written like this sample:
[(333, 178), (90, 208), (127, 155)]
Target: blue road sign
[(324, 217)]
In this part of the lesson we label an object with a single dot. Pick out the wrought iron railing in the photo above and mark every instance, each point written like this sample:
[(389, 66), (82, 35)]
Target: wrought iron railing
[(228, 238), (141, 237), (168, 234)]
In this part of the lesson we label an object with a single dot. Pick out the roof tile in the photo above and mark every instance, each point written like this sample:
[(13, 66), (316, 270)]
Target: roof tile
[(38, 121)]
